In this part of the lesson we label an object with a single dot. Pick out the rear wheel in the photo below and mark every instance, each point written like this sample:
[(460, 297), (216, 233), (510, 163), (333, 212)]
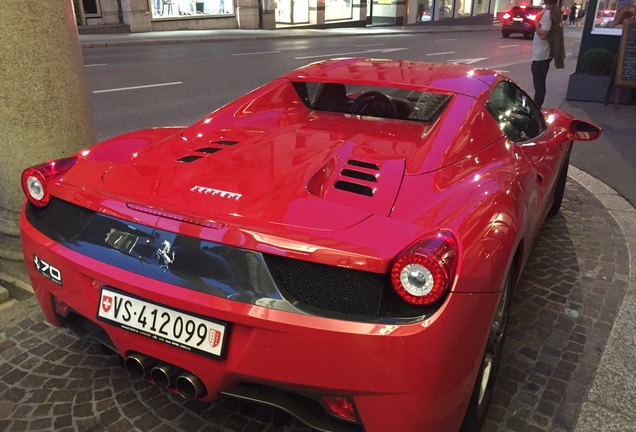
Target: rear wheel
[(505, 34), (482, 392)]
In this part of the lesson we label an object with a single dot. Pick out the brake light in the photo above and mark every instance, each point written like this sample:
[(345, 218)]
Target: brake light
[(424, 272), (181, 217), (506, 16), (340, 406), (35, 179), (532, 17), (523, 6)]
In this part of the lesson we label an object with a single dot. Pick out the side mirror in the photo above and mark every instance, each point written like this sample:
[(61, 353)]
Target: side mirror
[(580, 130)]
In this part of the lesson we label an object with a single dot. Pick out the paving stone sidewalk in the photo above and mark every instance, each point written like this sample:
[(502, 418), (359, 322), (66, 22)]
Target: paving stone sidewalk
[(562, 313)]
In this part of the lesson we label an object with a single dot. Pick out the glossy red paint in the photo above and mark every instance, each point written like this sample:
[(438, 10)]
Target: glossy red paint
[(262, 170)]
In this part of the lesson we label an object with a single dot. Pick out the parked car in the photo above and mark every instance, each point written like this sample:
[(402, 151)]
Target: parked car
[(520, 19), (341, 243)]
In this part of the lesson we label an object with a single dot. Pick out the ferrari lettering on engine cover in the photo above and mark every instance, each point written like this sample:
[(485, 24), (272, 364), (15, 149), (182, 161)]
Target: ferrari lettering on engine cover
[(210, 191)]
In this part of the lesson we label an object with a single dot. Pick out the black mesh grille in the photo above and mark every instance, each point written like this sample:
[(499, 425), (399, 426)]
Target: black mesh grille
[(59, 220), (225, 142), (334, 291)]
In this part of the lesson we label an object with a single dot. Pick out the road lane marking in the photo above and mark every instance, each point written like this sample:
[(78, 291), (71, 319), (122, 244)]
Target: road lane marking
[(256, 53), (137, 87), (95, 64), (382, 50), (467, 61), (367, 45), (445, 40), (441, 53), (508, 46)]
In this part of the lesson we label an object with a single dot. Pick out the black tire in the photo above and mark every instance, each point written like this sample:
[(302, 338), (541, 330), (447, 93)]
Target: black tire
[(505, 34), (559, 188), (482, 392), (528, 35)]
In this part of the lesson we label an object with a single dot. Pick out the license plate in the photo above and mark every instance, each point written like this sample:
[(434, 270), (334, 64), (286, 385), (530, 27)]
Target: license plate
[(517, 19), (184, 330)]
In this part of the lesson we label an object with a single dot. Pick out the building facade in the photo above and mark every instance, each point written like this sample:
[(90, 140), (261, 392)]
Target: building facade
[(162, 15)]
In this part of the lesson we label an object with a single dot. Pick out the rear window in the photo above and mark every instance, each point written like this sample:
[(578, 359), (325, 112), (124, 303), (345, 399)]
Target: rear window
[(383, 102), (532, 10)]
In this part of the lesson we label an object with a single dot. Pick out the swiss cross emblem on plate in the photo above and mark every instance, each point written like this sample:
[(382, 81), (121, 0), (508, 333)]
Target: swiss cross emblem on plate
[(107, 303)]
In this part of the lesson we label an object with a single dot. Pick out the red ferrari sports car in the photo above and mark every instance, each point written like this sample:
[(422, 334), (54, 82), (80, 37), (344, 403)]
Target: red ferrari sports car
[(340, 243)]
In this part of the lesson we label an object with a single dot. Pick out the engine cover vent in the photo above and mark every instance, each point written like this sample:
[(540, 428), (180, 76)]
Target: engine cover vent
[(366, 174), (359, 175), (354, 187), (363, 164), (208, 150), (225, 142), (189, 158)]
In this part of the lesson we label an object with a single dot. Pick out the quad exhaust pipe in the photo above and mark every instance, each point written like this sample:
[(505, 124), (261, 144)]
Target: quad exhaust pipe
[(189, 386), (164, 375), (139, 365)]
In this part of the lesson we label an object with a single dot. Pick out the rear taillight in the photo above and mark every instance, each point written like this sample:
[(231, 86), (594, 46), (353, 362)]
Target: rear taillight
[(35, 179), (506, 16), (532, 17), (424, 272)]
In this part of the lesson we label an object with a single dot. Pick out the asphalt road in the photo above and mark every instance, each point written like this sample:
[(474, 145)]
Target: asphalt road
[(194, 79), (137, 87)]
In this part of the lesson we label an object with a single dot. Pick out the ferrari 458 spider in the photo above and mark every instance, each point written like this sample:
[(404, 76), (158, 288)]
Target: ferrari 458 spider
[(341, 243)]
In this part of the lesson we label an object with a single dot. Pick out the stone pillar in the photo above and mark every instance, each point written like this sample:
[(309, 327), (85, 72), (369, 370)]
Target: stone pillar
[(136, 15), (44, 108), (247, 14)]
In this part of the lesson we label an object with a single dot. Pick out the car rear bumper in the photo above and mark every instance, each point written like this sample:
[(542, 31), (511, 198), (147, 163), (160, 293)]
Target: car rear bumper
[(522, 27), (409, 377)]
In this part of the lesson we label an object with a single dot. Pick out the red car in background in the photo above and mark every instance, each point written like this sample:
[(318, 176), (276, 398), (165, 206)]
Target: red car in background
[(520, 19), (341, 243)]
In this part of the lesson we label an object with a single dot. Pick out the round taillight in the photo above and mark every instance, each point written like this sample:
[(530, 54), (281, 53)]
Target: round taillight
[(424, 272), (36, 178), (34, 186), (419, 279)]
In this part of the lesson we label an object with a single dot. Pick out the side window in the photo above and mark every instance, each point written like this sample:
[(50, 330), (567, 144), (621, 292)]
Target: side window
[(517, 115)]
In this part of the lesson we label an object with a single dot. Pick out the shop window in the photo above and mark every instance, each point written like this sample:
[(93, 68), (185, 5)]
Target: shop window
[(292, 11), (445, 8), (481, 6), (424, 11), (91, 8), (465, 8), (338, 10), (610, 15), (190, 8)]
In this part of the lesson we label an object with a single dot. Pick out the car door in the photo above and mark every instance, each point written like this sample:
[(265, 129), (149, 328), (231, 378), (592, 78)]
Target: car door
[(533, 144)]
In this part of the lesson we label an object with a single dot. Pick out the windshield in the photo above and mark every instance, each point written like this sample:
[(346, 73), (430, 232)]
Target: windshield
[(384, 102)]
